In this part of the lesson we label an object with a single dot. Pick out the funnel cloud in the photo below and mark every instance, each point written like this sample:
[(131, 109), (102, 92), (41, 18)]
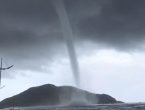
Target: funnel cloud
[(68, 37)]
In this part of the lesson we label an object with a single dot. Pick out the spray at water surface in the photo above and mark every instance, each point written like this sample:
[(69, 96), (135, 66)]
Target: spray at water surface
[(68, 36)]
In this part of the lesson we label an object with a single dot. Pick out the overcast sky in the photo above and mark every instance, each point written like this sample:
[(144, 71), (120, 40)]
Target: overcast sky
[(109, 37)]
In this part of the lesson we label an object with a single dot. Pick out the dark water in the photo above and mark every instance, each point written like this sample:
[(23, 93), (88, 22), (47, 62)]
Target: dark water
[(133, 106)]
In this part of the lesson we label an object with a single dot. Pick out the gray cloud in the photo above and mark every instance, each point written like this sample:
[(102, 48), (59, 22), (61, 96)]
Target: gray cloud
[(120, 23), (30, 29), (113, 22)]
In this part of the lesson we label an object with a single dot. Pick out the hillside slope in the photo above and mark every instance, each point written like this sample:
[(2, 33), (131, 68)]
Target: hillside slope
[(52, 95)]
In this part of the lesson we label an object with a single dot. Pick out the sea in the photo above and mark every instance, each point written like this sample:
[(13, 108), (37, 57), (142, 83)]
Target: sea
[(123, 106)]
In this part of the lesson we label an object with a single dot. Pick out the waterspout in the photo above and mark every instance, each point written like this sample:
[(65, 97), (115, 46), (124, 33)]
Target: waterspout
[(68, 36)]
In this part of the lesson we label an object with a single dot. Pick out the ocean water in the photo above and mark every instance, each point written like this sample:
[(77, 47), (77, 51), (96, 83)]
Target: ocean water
[(126, 106)]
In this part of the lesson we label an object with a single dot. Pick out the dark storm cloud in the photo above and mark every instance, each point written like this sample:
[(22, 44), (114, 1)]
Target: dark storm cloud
[(114, 22), (30, 31), (120, 24)]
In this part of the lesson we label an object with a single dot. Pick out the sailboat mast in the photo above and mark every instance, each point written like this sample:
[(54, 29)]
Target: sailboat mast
[(0, 71)]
